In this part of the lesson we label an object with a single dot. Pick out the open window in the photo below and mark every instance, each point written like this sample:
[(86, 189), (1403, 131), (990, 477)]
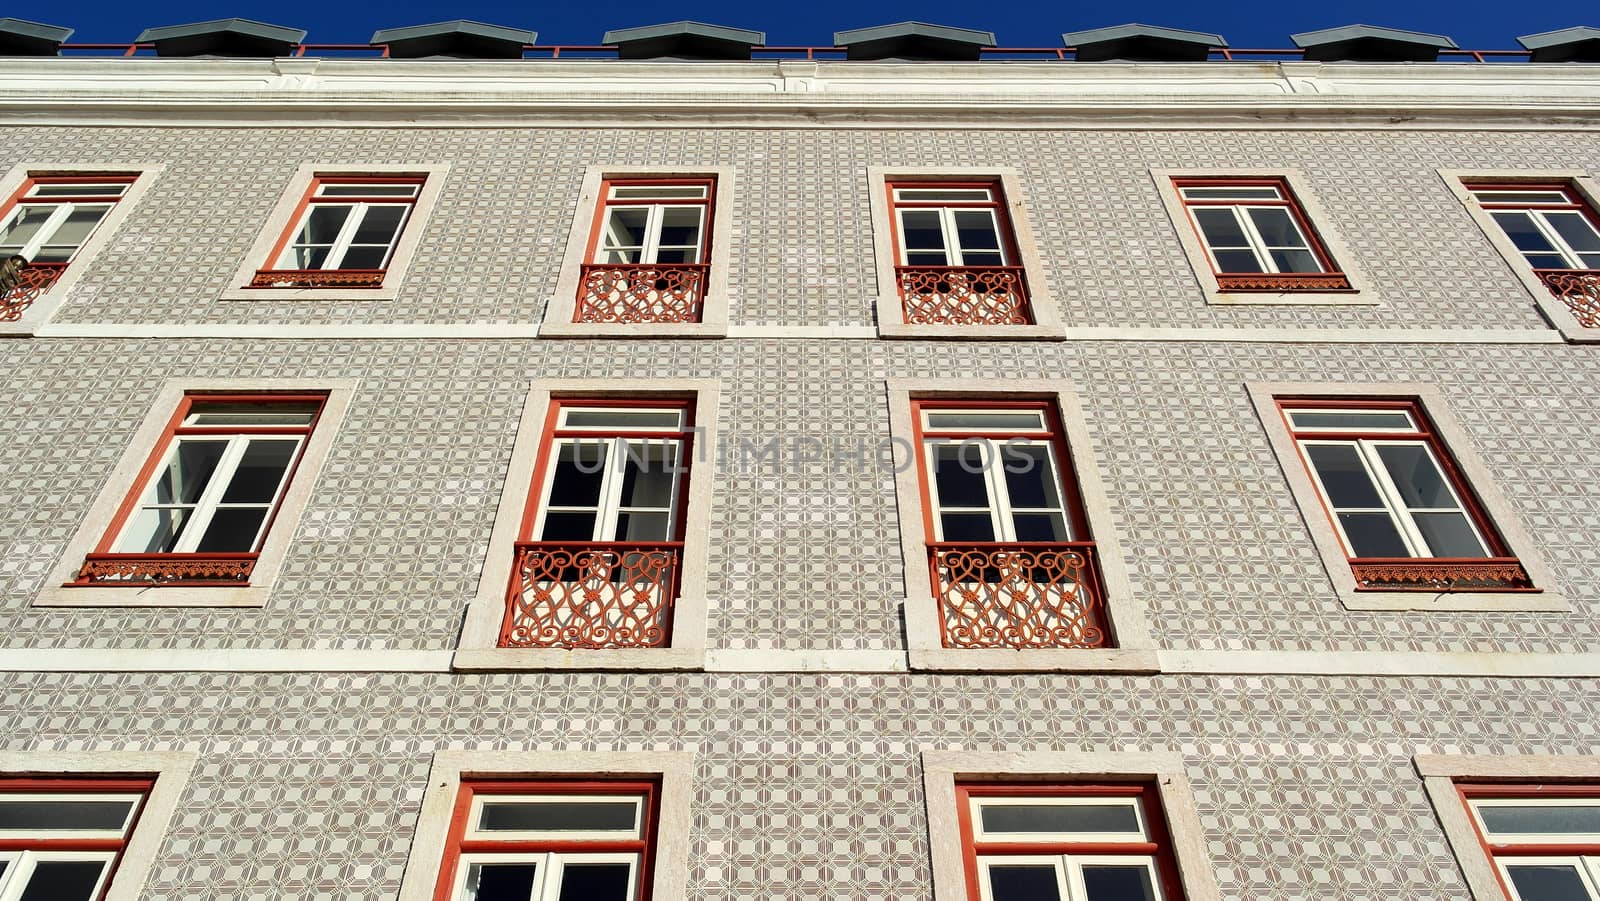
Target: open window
[(344, 234), (43, 228), (1556, 231), (649, 252)]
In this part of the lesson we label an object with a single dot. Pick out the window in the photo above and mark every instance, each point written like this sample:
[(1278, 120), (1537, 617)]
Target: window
[(598, 559), (1544, 840), (62, 838), (344, 233), (203, 504), (549, 841), (956, 260), (1557, 233), (1404, 517), (1010, 556), (1257, 237), (42, 229), (1038, 842), (648, 252)]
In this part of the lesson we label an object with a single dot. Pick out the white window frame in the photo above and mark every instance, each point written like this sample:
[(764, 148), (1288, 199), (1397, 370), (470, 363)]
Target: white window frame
[(64, 209), (1255, 243), (651, 248), (342, 242), (1541, 223), (1474, 805), (1587, 868), (549, 872), (13, 883), (977, 803), (1000, 508), (610, 505), (1057, 862), (475, 817), (135, 800), (953, 251)]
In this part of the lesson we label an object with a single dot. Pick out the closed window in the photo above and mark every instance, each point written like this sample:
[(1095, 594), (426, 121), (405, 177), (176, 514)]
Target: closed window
[(1257, 236), (1544, 840), (647, 259), (344, 234), (1549, 223), (61, 839), (955, 254)]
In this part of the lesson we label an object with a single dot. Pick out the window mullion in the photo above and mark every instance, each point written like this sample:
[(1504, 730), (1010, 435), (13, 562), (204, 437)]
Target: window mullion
[(947, 228), (1398, 511), (347, 234), (652, 234)]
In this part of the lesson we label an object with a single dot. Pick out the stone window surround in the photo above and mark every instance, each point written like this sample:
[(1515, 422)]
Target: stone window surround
[(1439, 773), (941, 769), (675, 769), (47, 303), (171, 770), (279, 221), (890, 308), (1362, 293), (1550, 305), (1473, 472), (121, 482), (1125, 611), (486, 612), (563, 303)]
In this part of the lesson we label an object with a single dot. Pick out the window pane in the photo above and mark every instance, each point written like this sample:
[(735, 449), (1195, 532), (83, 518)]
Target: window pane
[(1351, 420), (1417, 476), (1024, 882), (923, 195), (79, 189), (1373, 535), (501, 881), (1220, 228), (369, 190), (232, 530), (558, 815), (647, 475), (1541, 819), (365, 258), (1548, 882), (1575, 229), (1449, 535), (380, 224), (25, 225), (1059, 818), (49, 254), (625, 227), (77, 815), (1237, 261), (958, 473), (1030, 477), (966, 527), (208, 413), (680, 226), (981, 419), (920, 230), (307, 257), (622, 419), (188, 471), (1343, 477), (658, 192), (1295, 261), (1522, 196), (568, 526), (595, 881), (260, 470), (580, 468), (153, 532), (322, 223), (63, 880), (80, 222), (643, 527), (673, 255), (976, 230), (619, 257), (1277, 227), (1231, 193), (1039, 526), (1118, 883), (1520, 229)]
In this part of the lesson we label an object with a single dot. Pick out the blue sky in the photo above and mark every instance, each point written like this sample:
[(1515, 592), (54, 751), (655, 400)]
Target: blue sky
[(1476, 24)]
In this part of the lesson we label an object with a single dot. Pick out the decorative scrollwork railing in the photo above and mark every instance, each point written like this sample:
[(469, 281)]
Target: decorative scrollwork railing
[(1579, 289), (1282, 281), (1018, 595), (1440, 574), (598, 594), (32, 280), (641, 292), (318, 278), (964, 295), (166, 569)]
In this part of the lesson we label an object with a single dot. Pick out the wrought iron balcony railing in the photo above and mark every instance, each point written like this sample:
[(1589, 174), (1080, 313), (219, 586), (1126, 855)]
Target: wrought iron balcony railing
[(594, 594), (32, 281), (1440, 574), (1282, 281), (964, 295), (318, 278), (166, 569), (1579, 289), (1018, 595), (642, 292)]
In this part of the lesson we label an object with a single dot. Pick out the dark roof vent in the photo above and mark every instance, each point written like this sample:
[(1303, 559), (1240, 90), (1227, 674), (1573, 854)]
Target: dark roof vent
[(223, 37), (460, 39), (19, 37), (1142, 43), (1370, 43), (1580, 44), (684, 40), (913, 41)]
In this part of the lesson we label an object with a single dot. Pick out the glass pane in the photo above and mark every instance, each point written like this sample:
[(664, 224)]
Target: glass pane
[(1117, 883), (1548, 882), (188, 471), (306, 257), (77, 815), (260, 470), (207, 413), (1589, 260), (1237, 261), (1277, 227), (1373, 535), (559, 815), (1030, 477), (920, 230), (1520, 229), (1295, 261), (322, 223), (25, 225), (1343, 477), (1039, 526), (1024, 882), (980, 419), (647, 474), (975, 230), (49, 254), (1449, 535), (579, 470), (958, 473), (153, 531), (63, 880), (618, 257), (622, 419), (1220, 227), (1522, 196), (1232, 193), (1060, 818), (1575, 229), (657, 192), (680, 226), (595, 881), (643, 527), (625, 227), (365, 258), (568, 526), (1350, 420), (501, 881), (1541, 819), (80, 222), (671, 255), (380, 224), (923, 195), (232, 530), (966, 526), (982, 258), (79, 189), (1415, 474), (367, 191)]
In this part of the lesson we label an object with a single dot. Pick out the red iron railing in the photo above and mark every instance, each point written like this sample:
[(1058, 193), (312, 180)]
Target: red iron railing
[(641, 292), (1579, 289), (595, 594), (318, 278), (165, 569), (1018, 595), (1440, 574), (32, 281), (1282, 281), (964, 295)]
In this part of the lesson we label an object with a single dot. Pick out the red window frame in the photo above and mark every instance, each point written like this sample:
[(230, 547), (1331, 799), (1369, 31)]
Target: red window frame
[(1147, 795), (34, 279), (457, 843), (1575, 203), (646, 292), (269, 277), (82, 785), (106, 568), (1391, 573), (1331, 278), (1469, 791), (926, 291)]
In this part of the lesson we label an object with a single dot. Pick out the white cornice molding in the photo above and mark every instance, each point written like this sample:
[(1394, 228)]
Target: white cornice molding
[(344, 92)]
